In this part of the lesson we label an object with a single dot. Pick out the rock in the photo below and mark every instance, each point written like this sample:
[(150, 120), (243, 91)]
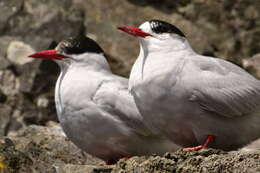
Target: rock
[(4, 118), (3, 97), (42, 21), (27, 75), (4, 43), (68, 168), (253, 65), (11, 159), (253, 146), (9, 84), (18, 52), (46, 149), (9, 9), (207, 160)]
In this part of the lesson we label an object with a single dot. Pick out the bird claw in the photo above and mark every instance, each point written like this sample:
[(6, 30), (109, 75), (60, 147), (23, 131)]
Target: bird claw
[(193, 148), (205, 145)]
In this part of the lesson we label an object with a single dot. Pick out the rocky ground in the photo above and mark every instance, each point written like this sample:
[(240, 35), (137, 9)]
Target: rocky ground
[(226, 29), (45, 149)]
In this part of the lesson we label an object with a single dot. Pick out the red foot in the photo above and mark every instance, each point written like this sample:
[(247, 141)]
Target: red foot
[(205, 145)]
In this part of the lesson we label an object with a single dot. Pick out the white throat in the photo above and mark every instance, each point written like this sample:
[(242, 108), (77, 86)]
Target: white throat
[(161, 48), (90, 61), (165, 43), (81, 63)]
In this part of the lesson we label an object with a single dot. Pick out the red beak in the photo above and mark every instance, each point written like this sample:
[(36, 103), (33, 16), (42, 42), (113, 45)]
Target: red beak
[(134, 31), (48, 54)]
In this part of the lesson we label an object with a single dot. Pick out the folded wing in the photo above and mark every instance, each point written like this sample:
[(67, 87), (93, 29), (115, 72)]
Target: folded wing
[(225, 89), (114, 98)]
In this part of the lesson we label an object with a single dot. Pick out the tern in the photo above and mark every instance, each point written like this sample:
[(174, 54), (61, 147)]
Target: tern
[(94, 107), (195, 100)]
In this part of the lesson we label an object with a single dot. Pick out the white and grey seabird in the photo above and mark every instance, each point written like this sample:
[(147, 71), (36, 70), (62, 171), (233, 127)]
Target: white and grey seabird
[(94, 107), (195, 100)]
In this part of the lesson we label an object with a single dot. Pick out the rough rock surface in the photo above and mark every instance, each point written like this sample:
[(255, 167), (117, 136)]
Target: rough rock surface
[(47, 150), (253, 65), (206, 160), (43, 149)]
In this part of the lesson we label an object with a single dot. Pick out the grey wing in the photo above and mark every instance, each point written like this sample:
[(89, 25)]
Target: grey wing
[(225, 89), (113, 97)]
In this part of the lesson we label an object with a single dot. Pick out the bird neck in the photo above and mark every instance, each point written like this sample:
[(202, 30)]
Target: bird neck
[(159, 52), (87, 61), (58, 102), (77, 68), (165, 45), (96, 62)]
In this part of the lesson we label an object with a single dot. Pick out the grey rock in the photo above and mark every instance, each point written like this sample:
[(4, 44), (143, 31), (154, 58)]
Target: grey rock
[(3, 97), (46, 149), (42, 21), (253, 146), (4, 43), (9, 84), (27, 75), (17, 52), (206, 160), (253, 65), (8, 9), (4, 63), (4, 118)]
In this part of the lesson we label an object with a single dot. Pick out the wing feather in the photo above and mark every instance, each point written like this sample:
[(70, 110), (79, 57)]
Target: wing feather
[(113, 97), (225, 89)]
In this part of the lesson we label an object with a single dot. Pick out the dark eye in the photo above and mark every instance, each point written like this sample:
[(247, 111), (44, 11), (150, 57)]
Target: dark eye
[(160, 27)]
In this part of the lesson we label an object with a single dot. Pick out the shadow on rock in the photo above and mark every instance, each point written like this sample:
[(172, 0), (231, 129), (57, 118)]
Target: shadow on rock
[(166, 6)]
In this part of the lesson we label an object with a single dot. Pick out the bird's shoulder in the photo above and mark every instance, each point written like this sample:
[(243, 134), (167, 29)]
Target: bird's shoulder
[(222, 87), (113, 97), (109, 90)]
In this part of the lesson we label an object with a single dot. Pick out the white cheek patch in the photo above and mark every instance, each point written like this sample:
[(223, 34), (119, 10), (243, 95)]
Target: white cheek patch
[(145, 27)]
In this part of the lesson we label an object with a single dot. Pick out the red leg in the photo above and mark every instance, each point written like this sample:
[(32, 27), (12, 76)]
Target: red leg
[(205, 145)]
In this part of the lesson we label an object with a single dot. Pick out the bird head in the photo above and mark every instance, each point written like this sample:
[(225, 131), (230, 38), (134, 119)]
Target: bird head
[(156, 33), (73, 49)]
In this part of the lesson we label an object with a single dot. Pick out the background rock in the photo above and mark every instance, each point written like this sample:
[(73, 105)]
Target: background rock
[(43, 149), (18, 52), (253, 65), (207, 160)]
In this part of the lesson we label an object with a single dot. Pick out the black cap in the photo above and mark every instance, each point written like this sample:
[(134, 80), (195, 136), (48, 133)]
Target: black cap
[(78, 45), (160, 27)]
